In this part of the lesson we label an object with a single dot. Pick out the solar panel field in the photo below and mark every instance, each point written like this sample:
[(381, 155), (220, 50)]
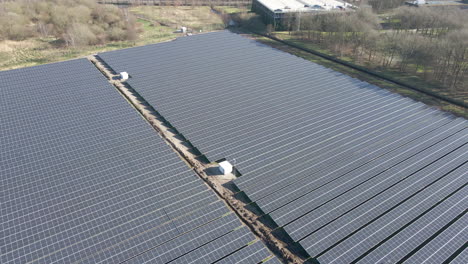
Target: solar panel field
[(332, 169), (86, 180), (353, 173)]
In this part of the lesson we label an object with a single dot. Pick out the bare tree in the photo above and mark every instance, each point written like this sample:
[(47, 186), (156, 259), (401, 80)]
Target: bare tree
[(65, 19), (381, 5)]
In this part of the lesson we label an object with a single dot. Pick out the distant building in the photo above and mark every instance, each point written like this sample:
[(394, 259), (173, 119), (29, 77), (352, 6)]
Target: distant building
[(416, 2), (437, 3), (274, 11)]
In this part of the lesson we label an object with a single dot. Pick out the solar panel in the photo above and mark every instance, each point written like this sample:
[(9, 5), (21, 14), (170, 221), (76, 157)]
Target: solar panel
[(219, 248), (378, 179), (317, 150), (371, 209), (85, 179), (363, 240), (406, 240), (387, 150), (459, 258), (254, 253), (444, 245), (273, 260), (211, 238)]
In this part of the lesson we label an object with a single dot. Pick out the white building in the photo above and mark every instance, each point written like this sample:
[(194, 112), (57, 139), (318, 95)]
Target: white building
[(274, 10)]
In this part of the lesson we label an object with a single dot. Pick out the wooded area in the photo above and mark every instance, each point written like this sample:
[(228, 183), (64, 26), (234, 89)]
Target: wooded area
[(180, 2), (382, 5), (431, 43), (74, 22)]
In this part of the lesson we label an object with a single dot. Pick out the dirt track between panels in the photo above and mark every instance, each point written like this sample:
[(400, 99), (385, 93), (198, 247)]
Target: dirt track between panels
[(202, 167)]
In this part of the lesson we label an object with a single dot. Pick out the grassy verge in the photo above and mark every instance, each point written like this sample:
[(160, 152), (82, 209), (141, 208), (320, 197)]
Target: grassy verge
[(429, 100), (232, 9)]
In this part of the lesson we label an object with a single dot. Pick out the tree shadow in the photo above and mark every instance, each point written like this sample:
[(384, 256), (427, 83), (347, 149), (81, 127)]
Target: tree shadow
[(57, 43)]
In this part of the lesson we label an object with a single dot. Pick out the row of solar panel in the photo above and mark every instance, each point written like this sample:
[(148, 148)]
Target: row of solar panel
[(86, 180), (325, 155), (370, 170), (381, 143)]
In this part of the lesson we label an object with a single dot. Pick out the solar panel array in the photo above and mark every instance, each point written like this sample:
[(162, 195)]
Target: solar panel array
[(352, 172), (85, 179)]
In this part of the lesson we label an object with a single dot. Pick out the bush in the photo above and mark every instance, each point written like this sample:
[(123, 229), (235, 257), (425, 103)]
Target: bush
[(117, 34), (15, 27), (79, 35), (75, 22)]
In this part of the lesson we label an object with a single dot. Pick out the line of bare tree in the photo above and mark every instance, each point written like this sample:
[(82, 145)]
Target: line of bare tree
[(430, 43), (180, 2), (382, 5)]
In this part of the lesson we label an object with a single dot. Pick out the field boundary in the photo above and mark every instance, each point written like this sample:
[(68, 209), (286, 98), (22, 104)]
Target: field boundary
[(367, 71)]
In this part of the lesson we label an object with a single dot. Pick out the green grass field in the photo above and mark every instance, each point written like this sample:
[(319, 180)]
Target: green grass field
[(232, 9), (196, 18)]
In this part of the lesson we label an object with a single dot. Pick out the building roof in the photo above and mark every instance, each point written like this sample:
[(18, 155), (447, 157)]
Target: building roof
[(301, 5), (86, 180), (351, 171)]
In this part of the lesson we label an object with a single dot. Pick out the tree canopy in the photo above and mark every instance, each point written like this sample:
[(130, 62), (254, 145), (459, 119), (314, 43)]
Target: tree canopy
[(75, 22)]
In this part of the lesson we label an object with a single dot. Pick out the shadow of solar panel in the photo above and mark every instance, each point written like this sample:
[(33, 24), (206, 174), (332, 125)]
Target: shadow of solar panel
[(311, 144)]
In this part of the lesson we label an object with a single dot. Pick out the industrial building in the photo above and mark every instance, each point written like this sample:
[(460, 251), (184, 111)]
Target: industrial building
[(275, 11), (439, 3)]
